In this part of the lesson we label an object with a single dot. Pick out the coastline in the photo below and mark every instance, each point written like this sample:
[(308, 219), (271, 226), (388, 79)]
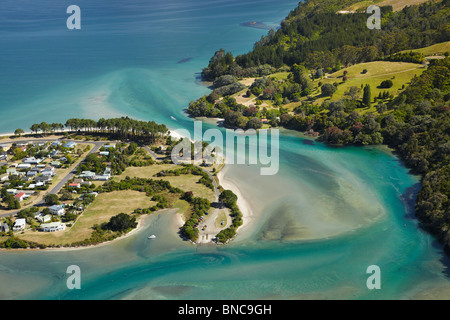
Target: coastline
[(244, 206), (130, 233)]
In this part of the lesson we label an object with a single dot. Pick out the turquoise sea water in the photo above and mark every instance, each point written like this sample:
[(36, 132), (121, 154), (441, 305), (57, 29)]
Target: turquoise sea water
[(319, 223)]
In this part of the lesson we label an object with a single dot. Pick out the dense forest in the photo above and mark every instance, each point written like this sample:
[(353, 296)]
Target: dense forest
[(314, 40), (316, 37)]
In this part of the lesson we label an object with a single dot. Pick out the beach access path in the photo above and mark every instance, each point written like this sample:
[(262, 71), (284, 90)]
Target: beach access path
[(211, 230)]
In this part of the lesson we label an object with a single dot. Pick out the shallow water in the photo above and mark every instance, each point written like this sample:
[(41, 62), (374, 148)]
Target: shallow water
[(327, 215)]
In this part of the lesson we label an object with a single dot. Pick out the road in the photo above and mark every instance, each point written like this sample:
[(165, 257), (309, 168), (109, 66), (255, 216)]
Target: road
[(205, 236), (55, 189)]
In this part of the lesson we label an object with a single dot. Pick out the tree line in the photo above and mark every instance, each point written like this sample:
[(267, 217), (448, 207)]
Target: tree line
[(121, 128)]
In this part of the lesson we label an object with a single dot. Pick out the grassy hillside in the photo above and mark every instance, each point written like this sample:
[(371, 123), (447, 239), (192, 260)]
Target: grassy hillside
[(400, 73), (396, 5), (434, 50)]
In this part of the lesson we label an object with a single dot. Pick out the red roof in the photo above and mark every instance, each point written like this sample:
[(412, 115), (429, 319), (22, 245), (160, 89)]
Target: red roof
[(19, 195)]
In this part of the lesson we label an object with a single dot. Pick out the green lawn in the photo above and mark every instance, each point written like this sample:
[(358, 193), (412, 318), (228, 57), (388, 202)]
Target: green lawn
[(400, 73), (105, 206), (186, 182)]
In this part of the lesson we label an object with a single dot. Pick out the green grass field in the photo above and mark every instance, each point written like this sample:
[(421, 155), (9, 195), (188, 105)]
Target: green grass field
[(105, 206), (186, 182), (437, 49), (400, 73)]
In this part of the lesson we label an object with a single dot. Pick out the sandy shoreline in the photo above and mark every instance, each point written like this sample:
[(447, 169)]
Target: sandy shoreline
[(242, 203), (138, 227), (244, 206)]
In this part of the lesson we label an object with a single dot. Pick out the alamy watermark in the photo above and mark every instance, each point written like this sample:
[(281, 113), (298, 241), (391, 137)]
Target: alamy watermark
[(374, 280), (74, 280), (231, 150), (74, 20), (374, 21)]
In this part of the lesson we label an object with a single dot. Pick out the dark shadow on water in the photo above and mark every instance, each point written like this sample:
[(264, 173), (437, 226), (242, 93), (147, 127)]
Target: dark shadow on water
[(409, 201), (308, 142), (185, 60)]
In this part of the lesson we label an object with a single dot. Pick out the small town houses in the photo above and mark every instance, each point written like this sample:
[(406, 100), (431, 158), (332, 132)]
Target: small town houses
[(53, 226), (33, 171), (23, 177)]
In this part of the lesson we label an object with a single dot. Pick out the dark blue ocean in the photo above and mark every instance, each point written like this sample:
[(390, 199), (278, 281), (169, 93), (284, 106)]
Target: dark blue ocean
[(316, 226)]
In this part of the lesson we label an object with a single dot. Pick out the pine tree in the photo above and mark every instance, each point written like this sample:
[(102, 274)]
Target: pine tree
[(367, 96)]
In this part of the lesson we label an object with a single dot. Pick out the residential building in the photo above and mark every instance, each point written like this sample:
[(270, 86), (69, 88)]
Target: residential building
[(53, 226), (11, 191), (55, 144), (43, 218), (32, 173), (104, 177), (57, 210), (32, 160), (70, 144), (48, 171), (11, 171), (5, 227), (87, 175), (74, 185), (54, 153), (20, 196), (19, 225), (43, 179), (55, 164)]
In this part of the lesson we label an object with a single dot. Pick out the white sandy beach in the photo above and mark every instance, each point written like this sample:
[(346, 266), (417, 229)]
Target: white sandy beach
[(247, 211)]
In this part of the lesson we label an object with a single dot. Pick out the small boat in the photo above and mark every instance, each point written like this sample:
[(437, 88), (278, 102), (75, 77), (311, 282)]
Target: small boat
[(173, 118), (152, 237)]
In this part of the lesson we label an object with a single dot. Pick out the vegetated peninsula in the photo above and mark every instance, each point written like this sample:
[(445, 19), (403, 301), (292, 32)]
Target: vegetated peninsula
[(93, 181), (326, 74)]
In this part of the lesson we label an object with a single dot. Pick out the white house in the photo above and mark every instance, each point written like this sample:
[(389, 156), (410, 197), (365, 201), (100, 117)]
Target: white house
[(87, 175), (53, 226), (20, 196), (57, 209), (48, 171), (19, 225), (43, 218), (11, 171), (70, 144), (104, 177), (32, 160), (24, 166)]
